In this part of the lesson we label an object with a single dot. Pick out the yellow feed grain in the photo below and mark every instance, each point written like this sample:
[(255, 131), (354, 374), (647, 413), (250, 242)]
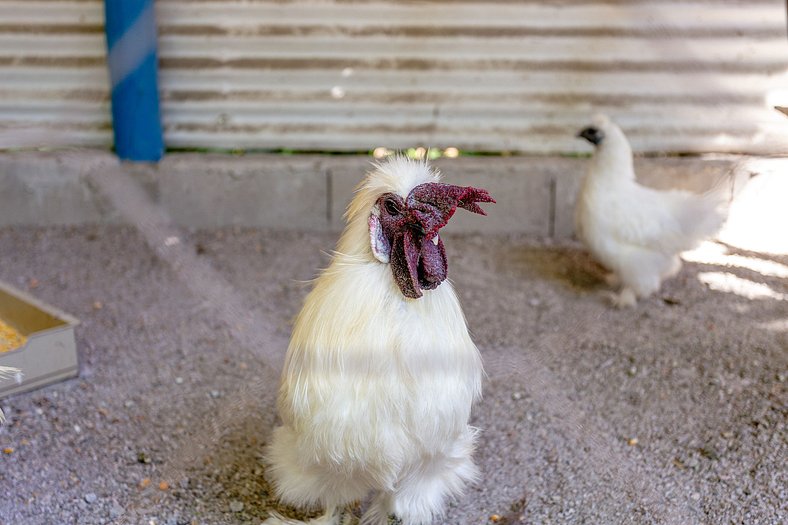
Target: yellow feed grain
[(10, 339)]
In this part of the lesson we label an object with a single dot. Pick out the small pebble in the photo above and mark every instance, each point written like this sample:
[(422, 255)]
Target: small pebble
[(179, 380), (90, 497), (215, 394), (517, 396), (129, 403), (164, 485), (144, 483), (236, 506), (98, 305), (632, 441), (116, 511), (695, 496)]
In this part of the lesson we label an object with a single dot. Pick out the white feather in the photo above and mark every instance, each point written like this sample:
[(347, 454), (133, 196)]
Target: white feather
[(8, 371), (635, 231), (377, 388)]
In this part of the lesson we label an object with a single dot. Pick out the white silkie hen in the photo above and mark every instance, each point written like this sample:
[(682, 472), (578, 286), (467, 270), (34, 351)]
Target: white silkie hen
[(381, 372), (636, 232)]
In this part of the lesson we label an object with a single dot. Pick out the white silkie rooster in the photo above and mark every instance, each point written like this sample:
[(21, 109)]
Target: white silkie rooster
[(381, 372), (636, 232)]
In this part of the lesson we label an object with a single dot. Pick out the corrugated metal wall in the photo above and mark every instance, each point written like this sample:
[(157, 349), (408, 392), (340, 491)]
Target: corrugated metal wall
[(353, 74), (54, 86)]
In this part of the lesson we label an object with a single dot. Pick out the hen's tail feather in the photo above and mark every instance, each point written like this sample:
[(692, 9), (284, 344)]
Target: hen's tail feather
[(702, 216)]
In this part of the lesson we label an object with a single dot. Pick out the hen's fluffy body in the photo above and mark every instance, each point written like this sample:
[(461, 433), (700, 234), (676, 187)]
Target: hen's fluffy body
[(637, 232), (377, 388)]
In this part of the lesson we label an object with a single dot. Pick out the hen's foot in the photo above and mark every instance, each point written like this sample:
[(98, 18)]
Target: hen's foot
[(626, 298)]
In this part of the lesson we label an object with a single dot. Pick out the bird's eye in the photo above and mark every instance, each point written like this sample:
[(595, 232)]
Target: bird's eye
[(391, 207)]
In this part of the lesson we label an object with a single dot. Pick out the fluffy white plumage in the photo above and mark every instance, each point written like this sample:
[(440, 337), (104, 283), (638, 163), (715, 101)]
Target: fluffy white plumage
[(637, 232), (377, 388)]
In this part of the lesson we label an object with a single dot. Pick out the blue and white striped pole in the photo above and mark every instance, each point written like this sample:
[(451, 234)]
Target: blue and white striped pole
[(133, 68)]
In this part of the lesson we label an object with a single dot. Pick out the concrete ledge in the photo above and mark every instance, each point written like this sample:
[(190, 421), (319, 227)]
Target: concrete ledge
[(535, 195)]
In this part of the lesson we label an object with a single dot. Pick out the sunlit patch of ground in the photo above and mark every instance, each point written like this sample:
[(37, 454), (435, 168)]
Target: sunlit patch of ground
[(758, 219)]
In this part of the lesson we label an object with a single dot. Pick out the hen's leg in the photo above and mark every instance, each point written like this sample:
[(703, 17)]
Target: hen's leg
[(673, 269), (612, 280), (626, 298)]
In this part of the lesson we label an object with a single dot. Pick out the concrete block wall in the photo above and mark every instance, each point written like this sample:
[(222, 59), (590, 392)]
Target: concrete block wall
[(535, 195)]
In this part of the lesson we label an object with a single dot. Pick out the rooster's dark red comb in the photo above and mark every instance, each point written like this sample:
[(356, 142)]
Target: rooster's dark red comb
[(435, 203)]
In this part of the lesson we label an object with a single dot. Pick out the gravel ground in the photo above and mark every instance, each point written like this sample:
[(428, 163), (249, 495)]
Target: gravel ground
[(671, 412)]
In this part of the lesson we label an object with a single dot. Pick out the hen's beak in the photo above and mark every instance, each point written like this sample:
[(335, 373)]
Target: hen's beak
[(593, 135)]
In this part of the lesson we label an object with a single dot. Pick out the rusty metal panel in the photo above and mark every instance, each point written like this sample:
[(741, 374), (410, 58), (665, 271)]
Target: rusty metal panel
[(54, 89), (516, 75)]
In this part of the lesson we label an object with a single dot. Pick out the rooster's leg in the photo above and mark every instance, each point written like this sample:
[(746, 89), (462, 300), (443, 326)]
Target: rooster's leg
[(332, 516), (421, 493)]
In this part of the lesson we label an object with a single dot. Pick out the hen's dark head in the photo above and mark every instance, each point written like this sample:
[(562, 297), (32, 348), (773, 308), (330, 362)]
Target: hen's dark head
[(593, 135), (403, 226), (599, 130)]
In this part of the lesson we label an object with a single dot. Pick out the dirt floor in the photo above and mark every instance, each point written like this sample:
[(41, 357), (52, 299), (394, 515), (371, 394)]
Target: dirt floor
[(671, 412)]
